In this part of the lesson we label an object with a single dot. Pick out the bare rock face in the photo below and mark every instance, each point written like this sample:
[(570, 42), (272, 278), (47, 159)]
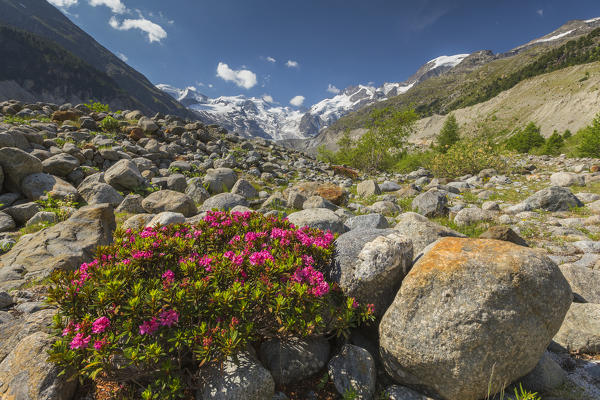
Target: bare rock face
[(63, 246), (471, 312)]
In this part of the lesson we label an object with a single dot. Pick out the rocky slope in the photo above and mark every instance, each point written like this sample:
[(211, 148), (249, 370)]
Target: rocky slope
[(504, 262), (43, 20), (257, 117)]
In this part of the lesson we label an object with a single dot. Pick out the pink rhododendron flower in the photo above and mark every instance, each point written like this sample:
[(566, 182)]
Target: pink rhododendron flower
[(80, 342), (169, 318), (100, 325), (149, 327), (260, 257), (99, 344)]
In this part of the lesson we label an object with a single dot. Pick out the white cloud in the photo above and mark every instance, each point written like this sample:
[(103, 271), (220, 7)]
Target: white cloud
[(332, 89), (155, 32), (122, 56), (271, 59), (115, 5), (63, 3), (540, 12), (242, 77), (297, 101), (267, 98), (210, 85), (292, 64)]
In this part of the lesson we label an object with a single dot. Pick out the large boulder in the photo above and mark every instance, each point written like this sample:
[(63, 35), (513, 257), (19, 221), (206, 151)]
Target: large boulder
[(546, 375), (471, 215), (244, 188), (239, 378), (147, 125), (27, 374), (367, 221), (294, 359), (196, 190), (472, 313), (17, 164), (585, 283), (224, 201), (370, 264), (97, 193), (124, 175), (320, 218), (422, 231), (7, 223), (40, 185), (580, 331), (220, 180), (62, 246), (567, 179), (60, 164), (368, 188), (169, 200), (353, 369), (433, 203), (553, 198)]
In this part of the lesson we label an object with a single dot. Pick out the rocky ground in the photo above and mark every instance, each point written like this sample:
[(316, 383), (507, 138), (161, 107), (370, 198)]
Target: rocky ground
[(456, 315)]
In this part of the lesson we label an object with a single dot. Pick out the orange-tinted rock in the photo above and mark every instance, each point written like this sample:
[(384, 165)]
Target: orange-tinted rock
[(333, 193), (136, 134), (595, 168), (70, 115)]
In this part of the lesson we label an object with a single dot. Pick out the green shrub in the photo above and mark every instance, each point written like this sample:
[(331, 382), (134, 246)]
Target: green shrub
[(448, 135), (159, 304), (60, 207), (96, 106), (589, 140), (468, 156), (110, 124), (553, 145), (413, 161), (526, 139)]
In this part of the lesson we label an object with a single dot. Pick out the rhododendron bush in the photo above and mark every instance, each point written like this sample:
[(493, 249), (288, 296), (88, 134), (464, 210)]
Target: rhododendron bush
[(159, 304)]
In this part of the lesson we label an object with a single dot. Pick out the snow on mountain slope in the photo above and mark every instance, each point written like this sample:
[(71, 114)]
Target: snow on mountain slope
[(251, 116), (555, 37)]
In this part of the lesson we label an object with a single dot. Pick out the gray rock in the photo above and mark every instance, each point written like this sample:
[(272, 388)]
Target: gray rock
[(36, 186), (389, 186), (294, 359), (177, 182), (471, 215), (244, 188), (16, 165), (147, 125), (63, 246), (318, 202), (503, 233), (367, 221), (21, 213), (433, 203), (567, 179), (26, 374), (224, 201), (1, 178), (138, 221), (195, 189), (588, 246), (320, 218), (98, 193), (60, 164), (124, 175), (472, 312), (554, 198), (396, 392), (220, 180), (421, 231), (7, 223), (368, 188), (385, 207), (353, 369), (239, 378), (588, 197), (169, 200), (490, 206), (131, 204), (580, 331), (585, 283), (546, 375), (370, 264), (42, 217), (167, 218), (295, 200), (5, 299)]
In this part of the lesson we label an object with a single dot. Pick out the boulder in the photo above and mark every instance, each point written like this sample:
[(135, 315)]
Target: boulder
[(147, 125), (26, 374), (294, 359), (98, 193), (239, 378), (472, 313), (224, 201), (16, 165), (244, 188), (7, 223), (567, 179), (370, 264), (367, 221), (318, 202), (63, 246), (421, 231), (131, 204), (195, 189), (500, 232), (60, 164), (1, 178), (471, 215), (332, 193), (554, 198), (42, 217), (353, 369), (584, 282), (39, 185), (546, 375), (138, 221), (166, 218), (320, 218), (385, 207), (368, 188), (169, 200), (580, 331), (433, 203), (220, 180), (295, 200), (124, 175), (21, 213), (396, 392)]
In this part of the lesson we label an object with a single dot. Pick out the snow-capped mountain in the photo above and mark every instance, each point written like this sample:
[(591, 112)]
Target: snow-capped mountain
[(252, 116)]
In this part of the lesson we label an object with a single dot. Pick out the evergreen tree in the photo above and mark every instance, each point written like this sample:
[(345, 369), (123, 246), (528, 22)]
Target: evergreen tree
[(448, 135), (526, 139)]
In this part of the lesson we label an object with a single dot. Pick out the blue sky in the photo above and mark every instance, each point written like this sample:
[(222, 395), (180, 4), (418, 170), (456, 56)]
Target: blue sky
[(290, 49)]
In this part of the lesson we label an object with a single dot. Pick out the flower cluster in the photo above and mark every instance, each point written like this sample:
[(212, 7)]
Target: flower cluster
[(185, 295)]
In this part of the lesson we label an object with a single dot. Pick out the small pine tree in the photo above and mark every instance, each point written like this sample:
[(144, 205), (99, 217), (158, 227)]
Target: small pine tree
[(589, 144), (526, 139), (553, 144), (448, 135)]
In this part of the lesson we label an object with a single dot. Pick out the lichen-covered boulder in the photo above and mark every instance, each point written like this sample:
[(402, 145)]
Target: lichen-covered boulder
[(470, 313)]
